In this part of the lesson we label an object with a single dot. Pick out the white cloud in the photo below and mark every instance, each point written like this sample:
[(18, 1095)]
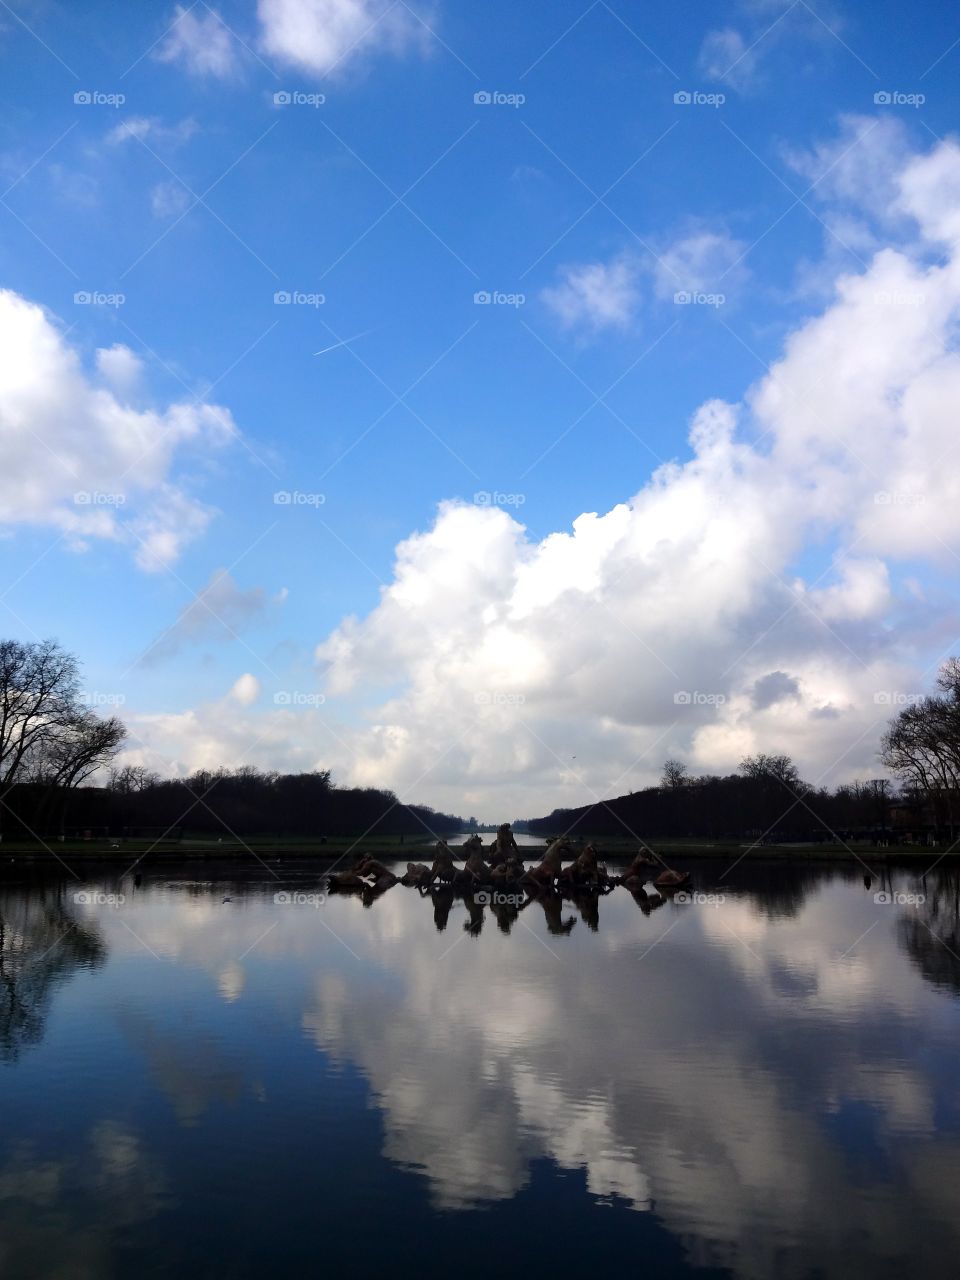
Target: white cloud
[(246, 689), (119, 366), (726, 56), (152, 127), (82, 461), (322, 36), (734, 59), (862, 592), (574, 646), (930, 193), (134, 127), (554, 675), (853, 177), (858, 168), (596, 295), (169, 199), (704, 261), (172, 522), (227, 731), (201, 42)]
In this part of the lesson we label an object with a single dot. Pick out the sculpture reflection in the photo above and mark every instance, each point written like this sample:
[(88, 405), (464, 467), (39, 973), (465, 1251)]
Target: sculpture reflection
[(504, 884)]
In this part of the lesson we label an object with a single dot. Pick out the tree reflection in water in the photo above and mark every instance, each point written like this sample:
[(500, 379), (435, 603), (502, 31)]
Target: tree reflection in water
[(42, 944), (930, 932)]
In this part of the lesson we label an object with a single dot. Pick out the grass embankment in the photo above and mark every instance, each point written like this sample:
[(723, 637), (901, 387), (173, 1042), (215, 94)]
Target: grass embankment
[(121, 850), (125, 852)]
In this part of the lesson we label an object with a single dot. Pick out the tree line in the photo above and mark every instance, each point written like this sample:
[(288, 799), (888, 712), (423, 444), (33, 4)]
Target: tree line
[(57, 775), (253, 802), (765, 800)]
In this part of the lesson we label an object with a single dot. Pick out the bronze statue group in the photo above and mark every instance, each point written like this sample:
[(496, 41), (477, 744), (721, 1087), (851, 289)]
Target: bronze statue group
[(497, 877)]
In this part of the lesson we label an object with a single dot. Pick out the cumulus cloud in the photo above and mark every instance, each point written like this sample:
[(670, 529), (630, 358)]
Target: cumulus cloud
[(597, 295), (200, 41), (862, 591), (80, 459), (119, 366), (754, 595), (322, 36), (229, 730), (578, 645)]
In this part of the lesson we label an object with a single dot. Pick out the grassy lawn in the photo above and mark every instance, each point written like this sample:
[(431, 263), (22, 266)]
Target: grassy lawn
[(210, 846), (228, 847)]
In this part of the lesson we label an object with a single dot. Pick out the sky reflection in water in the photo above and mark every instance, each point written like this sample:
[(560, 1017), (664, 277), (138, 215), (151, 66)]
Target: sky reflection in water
[(765, 1086)]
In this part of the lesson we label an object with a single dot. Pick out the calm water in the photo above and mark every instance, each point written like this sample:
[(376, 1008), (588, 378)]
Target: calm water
[(765, 1086)]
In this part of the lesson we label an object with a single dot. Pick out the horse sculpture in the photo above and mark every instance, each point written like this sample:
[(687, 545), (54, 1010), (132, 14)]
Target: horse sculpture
[(546, 872), (581, 881), (504, 846)]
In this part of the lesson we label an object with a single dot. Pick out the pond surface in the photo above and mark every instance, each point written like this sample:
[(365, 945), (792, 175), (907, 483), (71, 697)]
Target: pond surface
[(761, 1086)]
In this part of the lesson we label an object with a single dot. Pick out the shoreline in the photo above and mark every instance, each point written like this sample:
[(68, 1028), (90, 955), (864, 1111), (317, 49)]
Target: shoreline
[(238, 855)]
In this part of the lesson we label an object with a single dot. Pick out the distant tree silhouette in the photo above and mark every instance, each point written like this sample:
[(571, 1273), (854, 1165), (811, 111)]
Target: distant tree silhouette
[(239, 802), (765, 799)]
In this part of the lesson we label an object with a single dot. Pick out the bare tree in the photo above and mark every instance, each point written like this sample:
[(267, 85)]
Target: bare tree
[(82, 747), (674, 774), (47, 735), (39, 699), (780, 768), (922, 744), (132, 778)]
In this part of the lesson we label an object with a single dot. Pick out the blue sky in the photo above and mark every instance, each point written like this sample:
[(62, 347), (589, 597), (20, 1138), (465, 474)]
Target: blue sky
[(596, 197)]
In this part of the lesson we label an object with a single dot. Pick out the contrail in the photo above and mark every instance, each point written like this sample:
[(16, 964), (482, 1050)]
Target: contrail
[(343, 342)]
